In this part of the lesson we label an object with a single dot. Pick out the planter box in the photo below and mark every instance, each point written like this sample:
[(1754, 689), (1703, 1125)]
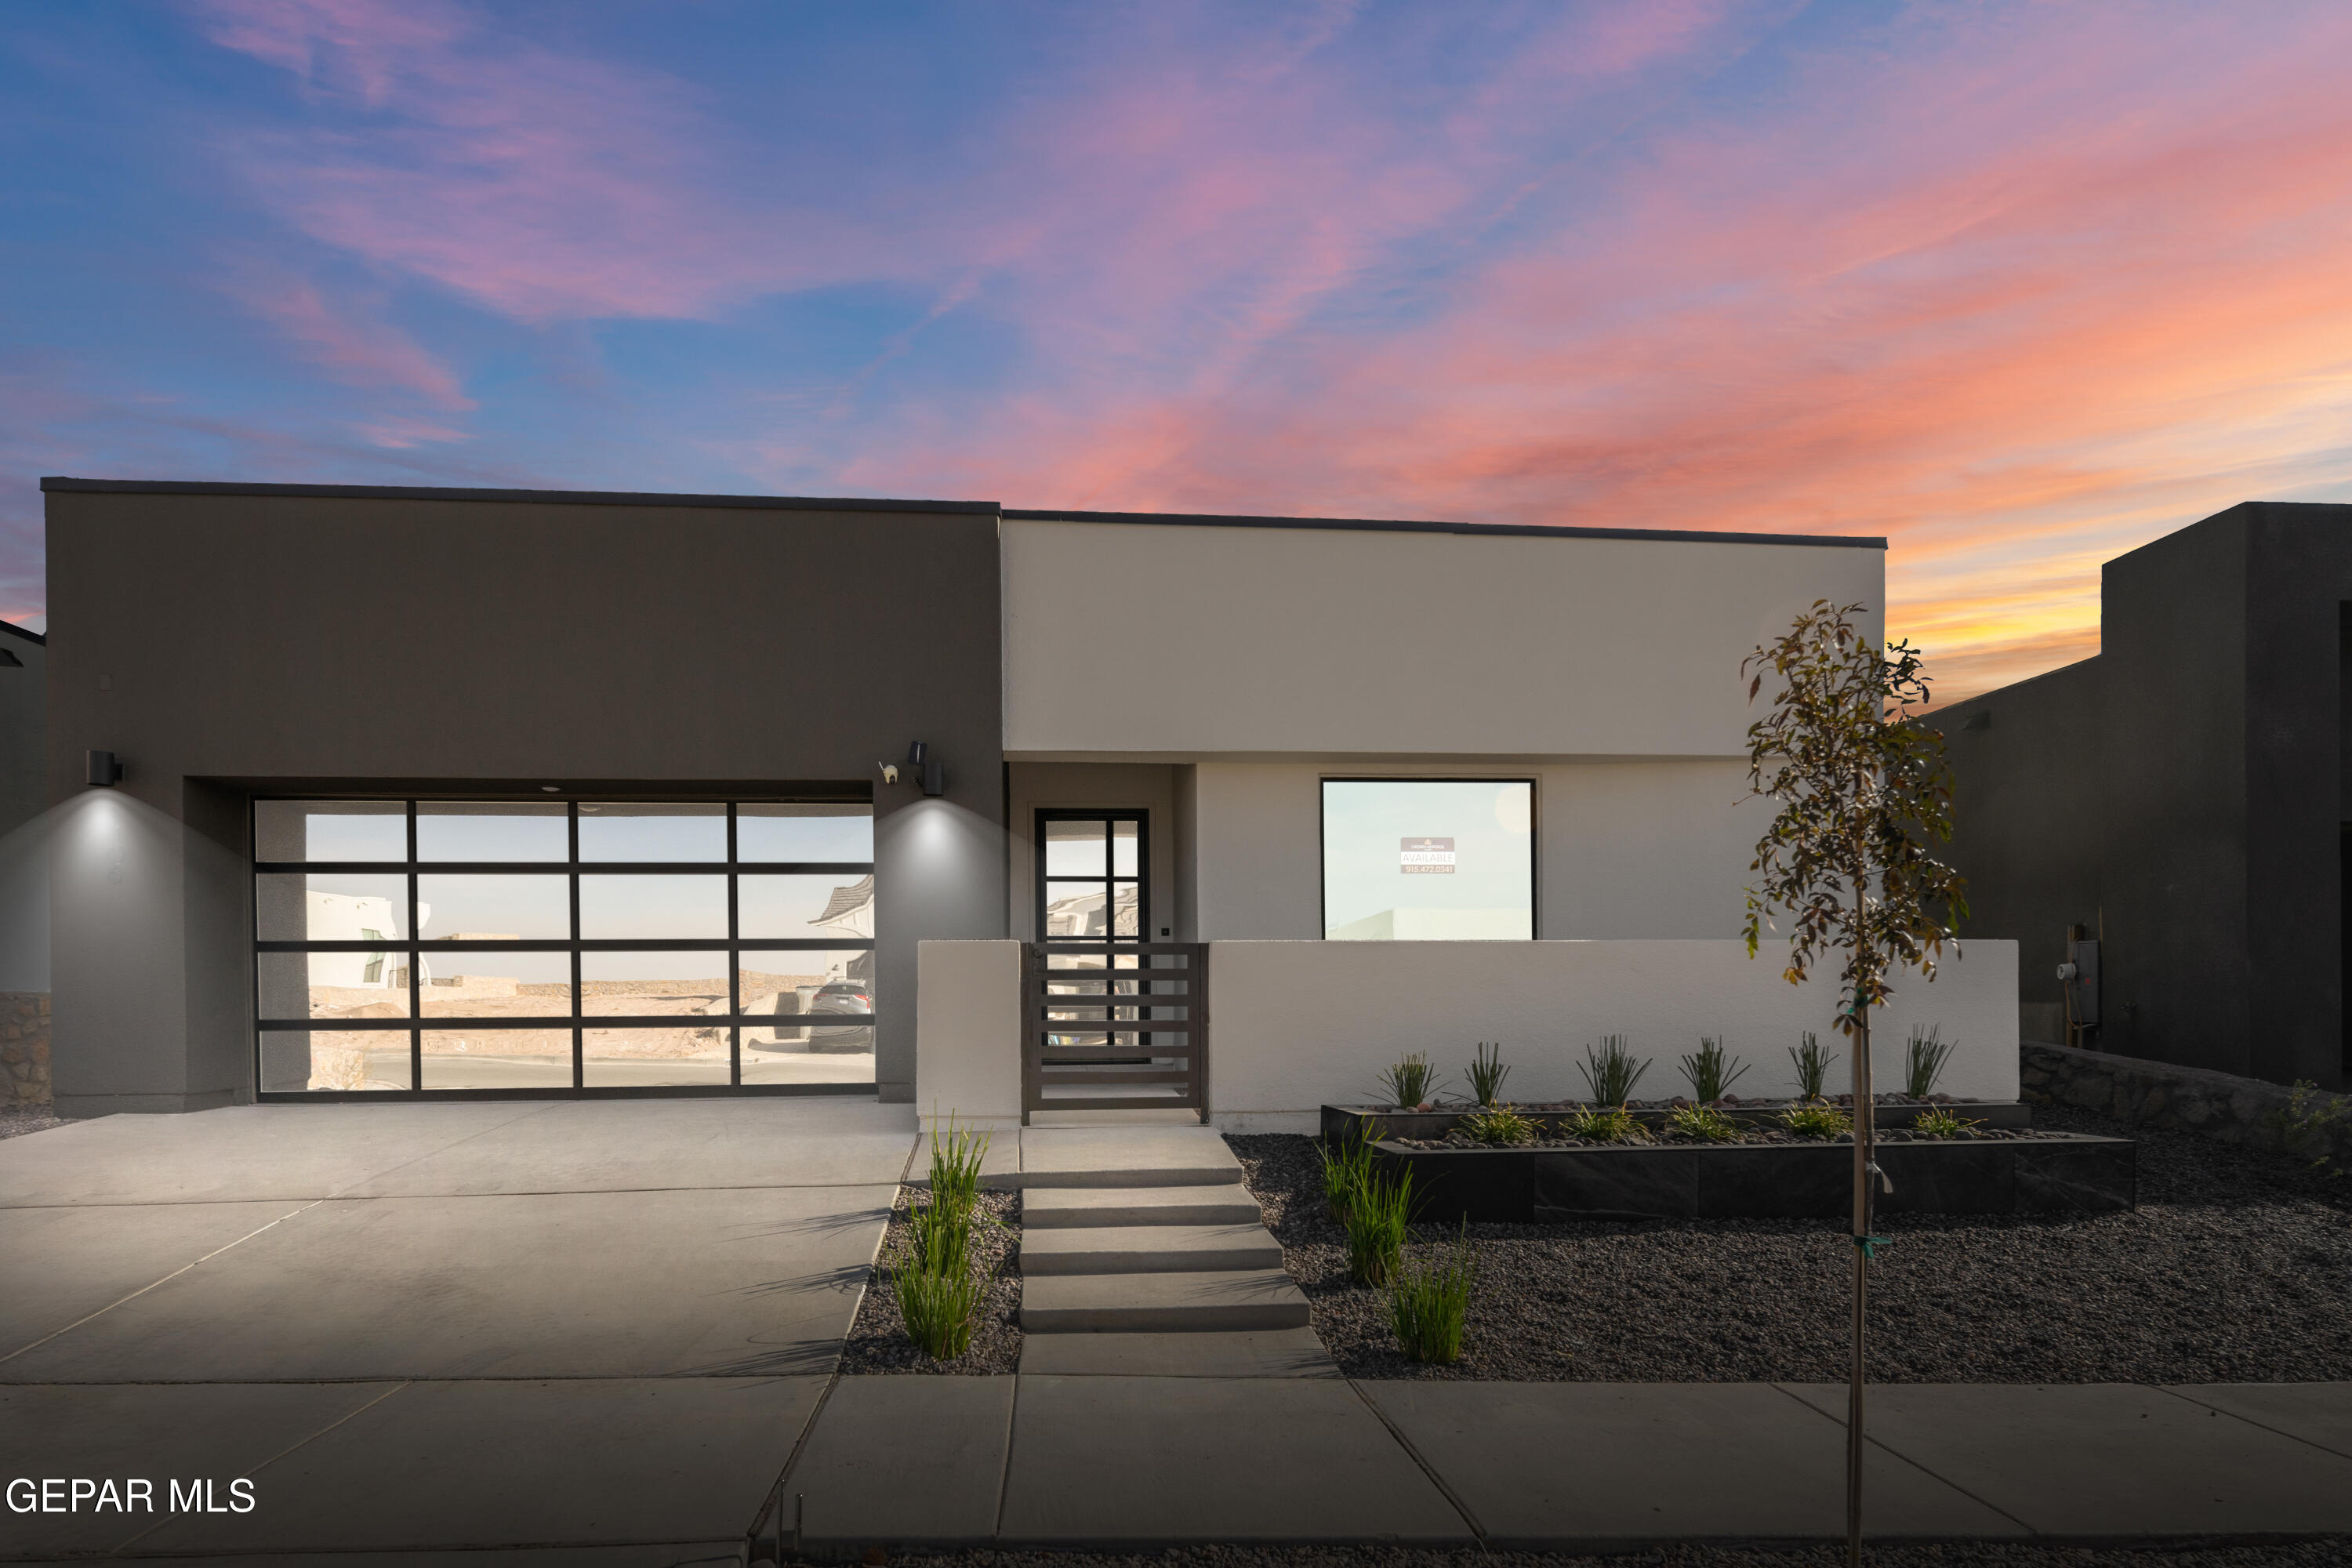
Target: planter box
[(2067, 1173), (1339, 1122)]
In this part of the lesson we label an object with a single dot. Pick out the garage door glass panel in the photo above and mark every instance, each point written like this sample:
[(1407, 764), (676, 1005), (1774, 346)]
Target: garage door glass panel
[(496, 985), (332, 986), (804, 1004), (496, 1058), (492, 830), (329, 830), (689, 986), (620, 831), (333, 1059), (334, 906), (491, 906), (656, 906), (805, 909), (767, 831), (813, 1055), (654, 1059)]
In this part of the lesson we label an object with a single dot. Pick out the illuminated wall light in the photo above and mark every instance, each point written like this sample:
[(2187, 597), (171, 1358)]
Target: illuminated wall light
[(101, 770)]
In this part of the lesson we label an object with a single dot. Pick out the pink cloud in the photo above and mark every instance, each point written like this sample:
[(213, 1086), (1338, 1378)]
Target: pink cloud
[(345, 337), (539, 183)]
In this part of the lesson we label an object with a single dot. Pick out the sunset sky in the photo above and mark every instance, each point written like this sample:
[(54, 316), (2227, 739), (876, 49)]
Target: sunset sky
[(2019, 286)]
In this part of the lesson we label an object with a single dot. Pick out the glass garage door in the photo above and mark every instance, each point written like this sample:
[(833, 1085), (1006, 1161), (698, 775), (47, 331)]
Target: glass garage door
[(561, 946)]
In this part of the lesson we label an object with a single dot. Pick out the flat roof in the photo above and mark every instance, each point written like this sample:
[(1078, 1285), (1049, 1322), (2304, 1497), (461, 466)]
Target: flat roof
[(60, 484), (1386, 525)]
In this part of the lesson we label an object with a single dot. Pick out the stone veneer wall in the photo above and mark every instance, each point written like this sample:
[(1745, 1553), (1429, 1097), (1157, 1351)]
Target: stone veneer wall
[(24, 1048), (2221, 1105)]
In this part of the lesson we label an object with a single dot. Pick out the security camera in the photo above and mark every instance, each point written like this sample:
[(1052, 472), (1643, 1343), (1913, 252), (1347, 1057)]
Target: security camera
[(889, 772)]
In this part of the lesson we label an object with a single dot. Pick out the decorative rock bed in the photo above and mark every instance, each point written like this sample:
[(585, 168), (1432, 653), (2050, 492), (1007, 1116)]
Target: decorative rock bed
[(1999, 1166), (2011, 1172), (1346, 1121)]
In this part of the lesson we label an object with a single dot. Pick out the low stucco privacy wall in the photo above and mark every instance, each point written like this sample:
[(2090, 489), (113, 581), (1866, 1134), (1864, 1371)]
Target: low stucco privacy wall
[(1296, 1024)]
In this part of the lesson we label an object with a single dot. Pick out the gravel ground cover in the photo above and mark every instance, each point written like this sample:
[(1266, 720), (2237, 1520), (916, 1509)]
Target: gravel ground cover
[(18, 1119), (2237, 1266), (878, 1341), (1750, 1134), (2330, 1552)]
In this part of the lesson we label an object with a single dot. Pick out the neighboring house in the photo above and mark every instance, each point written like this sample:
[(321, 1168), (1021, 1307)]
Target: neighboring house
[(24, 702), (1492, 761), (24, 867), (2185, 798)]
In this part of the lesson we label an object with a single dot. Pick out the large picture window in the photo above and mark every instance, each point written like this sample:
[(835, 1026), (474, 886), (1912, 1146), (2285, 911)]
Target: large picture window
[(525, 946), (1429, 860)]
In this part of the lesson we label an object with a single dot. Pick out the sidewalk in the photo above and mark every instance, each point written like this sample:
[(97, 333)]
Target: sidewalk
[(1152, 1462)]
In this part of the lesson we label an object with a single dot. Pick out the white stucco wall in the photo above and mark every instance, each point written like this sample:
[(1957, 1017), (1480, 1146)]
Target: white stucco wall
[(1298, 1024), (968, 1032), (1281, 642), (1624, 849)]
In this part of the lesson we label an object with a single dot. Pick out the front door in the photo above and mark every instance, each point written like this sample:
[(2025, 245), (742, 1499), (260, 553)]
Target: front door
[(1115, 1020), (1093, 878)]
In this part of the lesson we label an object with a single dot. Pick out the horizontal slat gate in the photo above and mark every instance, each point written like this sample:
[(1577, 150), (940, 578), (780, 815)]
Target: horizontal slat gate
[(1115, 1026)]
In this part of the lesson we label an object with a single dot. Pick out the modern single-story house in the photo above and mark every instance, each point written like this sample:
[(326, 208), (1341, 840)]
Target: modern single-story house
[(633, 779), (2183, 803)]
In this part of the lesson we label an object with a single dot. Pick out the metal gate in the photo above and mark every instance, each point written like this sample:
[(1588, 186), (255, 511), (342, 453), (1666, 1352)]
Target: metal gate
[(1115, 1025)]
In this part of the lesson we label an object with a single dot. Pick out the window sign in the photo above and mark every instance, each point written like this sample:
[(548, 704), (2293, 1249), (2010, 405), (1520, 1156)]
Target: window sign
[(1428, 859)]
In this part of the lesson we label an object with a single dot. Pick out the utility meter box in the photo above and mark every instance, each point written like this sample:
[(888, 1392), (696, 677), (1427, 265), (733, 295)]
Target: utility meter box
[(2080, 973)]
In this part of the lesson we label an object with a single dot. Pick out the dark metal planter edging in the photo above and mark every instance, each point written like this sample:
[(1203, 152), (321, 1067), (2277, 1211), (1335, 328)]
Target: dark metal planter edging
[(1346, 1121), (2054, 1174)]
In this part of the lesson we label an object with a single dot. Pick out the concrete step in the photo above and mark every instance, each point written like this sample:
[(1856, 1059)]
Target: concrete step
[(1126, 1157), (1149, 1249), (1225, 1301), (1264, 1353), (1060, 1208)]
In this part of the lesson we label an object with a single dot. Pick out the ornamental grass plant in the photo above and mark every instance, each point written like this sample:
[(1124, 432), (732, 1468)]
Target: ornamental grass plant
[(1346, 1172), (1923, 1061), (1429, 1302), (1410, 1083), (1816, 1118), (1609, 1124), (1711, 1071), (933, 1276), (1812, 1065), (1500, 1125), (940, 1307), (1942, 1123), (1703, 1123), (1487, 1073), (1376, 1223), (1610, 1072)]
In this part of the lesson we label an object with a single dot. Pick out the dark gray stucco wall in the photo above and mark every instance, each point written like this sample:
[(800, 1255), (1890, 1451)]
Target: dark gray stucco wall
[(2187, 785), (2299, 577), (222, 644), (2026, 810), (2173, 747)]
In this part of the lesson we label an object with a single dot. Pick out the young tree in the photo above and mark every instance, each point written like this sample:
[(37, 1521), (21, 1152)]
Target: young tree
[(1864, 789)]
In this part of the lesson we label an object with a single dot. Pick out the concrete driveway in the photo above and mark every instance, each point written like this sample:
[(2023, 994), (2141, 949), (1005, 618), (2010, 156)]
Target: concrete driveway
[(535, 1326)]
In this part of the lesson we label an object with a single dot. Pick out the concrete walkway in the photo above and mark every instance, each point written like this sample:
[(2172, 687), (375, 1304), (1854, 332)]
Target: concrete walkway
[(1148, 1462), (418, 1328)]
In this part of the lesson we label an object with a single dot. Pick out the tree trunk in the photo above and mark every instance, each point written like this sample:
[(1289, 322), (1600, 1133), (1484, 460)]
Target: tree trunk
[(1864, 1126)]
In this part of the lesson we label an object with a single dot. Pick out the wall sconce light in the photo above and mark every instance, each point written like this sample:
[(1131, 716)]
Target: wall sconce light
[(103, 771), (926, 768)]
